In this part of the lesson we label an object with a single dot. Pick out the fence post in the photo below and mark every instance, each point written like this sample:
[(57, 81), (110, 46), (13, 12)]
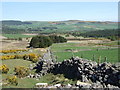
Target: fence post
[(72, 53), (105, 59), (81, 55), (99, 59), (93, 57)]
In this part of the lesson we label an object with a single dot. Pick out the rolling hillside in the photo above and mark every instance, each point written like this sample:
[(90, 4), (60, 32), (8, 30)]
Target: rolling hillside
[(13, 27)]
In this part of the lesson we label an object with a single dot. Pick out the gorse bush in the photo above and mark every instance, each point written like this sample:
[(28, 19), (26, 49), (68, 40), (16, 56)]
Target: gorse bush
[(32, 57), (12, 51), (12, 80), (4, 69), (20, 56), (6, 57), (46, 41)]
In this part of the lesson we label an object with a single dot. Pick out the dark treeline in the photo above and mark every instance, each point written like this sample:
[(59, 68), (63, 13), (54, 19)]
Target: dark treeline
[(113, 34), (99, 33)]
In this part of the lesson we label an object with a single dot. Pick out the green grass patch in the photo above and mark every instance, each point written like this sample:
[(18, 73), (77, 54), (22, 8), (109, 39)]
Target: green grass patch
[(61, 54), (64, 46), (16, 36), (52, 79), (24, 83), (112, 55), (13, 63)]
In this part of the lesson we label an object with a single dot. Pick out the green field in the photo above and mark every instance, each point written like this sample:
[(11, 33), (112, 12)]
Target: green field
[(28, 82), (61, 54), (16, 36), (15, 62)]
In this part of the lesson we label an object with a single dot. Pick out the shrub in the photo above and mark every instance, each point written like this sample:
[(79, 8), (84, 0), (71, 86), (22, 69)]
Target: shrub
[(12, 80), (4, 69), (19, 56), (12, 51), (33, 57), (21, 71), (6, 57)]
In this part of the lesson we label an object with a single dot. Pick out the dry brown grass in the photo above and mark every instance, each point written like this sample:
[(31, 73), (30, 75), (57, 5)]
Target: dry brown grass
[(12, 44)]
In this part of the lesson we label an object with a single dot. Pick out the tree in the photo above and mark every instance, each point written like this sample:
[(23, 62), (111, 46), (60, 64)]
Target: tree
[(57, 39), (40, 42)]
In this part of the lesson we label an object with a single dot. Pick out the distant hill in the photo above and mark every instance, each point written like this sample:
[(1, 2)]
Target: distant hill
[(13, 22), (13, 26)]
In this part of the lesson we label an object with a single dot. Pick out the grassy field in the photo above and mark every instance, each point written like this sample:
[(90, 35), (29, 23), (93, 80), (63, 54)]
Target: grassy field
[(86, 52), (13, 63), (16, 36), (18, 62), (24, 83)]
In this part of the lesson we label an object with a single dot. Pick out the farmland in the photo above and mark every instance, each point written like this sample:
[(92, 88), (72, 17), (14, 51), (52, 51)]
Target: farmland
[(62, 51)]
